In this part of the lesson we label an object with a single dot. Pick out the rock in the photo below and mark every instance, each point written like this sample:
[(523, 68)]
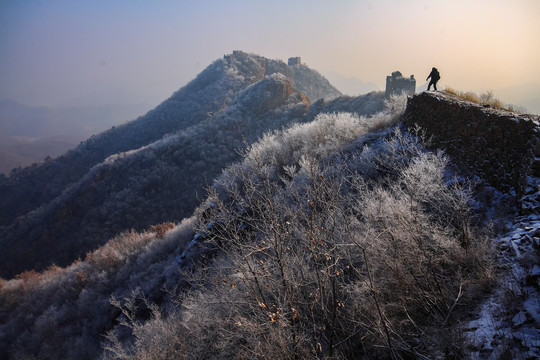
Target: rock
[(533, 308), (535, 271), (516, 249), (536, 243), (498, 352), (519, 319), (527, 338)]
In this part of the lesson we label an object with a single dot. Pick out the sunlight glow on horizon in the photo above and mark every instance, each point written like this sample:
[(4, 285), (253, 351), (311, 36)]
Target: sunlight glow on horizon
[(57, 50)]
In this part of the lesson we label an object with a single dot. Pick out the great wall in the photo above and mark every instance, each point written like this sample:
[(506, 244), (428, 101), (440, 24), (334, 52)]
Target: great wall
[(502, 147)]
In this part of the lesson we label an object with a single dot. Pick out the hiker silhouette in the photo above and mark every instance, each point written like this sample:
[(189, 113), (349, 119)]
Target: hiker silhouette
[(435, 76)]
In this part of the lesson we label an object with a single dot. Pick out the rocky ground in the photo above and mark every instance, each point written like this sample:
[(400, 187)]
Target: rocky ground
[(508, 323)]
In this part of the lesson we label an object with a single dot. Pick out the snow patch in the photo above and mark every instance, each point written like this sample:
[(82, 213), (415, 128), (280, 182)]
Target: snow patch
[(499, 329)]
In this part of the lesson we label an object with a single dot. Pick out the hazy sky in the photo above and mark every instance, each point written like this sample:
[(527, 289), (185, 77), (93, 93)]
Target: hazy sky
[(56, 52)]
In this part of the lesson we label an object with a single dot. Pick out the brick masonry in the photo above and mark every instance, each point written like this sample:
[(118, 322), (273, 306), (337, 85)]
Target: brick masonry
[(502, 147)]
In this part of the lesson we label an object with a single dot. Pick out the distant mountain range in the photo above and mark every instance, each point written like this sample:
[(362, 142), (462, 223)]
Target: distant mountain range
[(155, 168), (350, 85), (526, 95), (30, 134)]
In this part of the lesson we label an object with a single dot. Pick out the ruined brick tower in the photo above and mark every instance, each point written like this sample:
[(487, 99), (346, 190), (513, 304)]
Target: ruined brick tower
[(397, 84), (295, 61)]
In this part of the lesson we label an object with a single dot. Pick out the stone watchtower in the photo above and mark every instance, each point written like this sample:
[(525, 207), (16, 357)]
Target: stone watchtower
[(397, 84), (295, 61)]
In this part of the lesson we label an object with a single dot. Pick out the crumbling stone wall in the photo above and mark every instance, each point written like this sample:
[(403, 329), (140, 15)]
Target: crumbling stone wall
[(500, 146), (293, 61), (397, 84)]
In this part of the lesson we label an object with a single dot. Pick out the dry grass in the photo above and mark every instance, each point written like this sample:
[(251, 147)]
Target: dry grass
[(486, 98)]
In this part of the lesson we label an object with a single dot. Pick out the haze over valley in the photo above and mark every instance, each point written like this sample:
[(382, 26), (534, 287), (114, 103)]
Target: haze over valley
[(269, 180)]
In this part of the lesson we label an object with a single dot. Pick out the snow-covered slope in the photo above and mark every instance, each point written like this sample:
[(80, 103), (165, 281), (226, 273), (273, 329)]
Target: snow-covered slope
[(153, 169)]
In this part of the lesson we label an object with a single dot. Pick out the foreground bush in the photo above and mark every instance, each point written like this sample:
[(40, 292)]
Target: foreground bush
[(367, 251)]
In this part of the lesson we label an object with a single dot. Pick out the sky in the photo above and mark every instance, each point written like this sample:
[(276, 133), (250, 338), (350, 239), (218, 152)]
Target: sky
[(64, 52)]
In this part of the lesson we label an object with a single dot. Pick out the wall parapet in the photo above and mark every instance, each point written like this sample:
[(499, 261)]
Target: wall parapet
[(502, 147)]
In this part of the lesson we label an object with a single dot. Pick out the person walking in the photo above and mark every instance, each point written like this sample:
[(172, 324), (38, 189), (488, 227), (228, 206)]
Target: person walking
[(435, 76)]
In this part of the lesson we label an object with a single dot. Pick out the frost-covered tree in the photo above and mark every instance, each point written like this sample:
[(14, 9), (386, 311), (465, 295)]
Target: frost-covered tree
[(324, 252)]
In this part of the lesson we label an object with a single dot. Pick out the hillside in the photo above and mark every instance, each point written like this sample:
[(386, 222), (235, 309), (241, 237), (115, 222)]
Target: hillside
[(155, 169), (206, 96), (340, 237), (110, 268)]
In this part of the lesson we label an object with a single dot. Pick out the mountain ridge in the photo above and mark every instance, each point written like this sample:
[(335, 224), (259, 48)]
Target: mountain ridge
[(220, 81), (118, 192)]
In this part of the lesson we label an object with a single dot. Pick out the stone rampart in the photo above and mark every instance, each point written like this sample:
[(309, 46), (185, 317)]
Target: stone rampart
[(397, 84), (502, 147), (293, 61)]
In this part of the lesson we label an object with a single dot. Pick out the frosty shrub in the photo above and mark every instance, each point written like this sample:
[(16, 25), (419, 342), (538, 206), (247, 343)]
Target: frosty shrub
[(63, 313), (155, 338), (327, 133), (318, 261), (161, 229), (487, 98)]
